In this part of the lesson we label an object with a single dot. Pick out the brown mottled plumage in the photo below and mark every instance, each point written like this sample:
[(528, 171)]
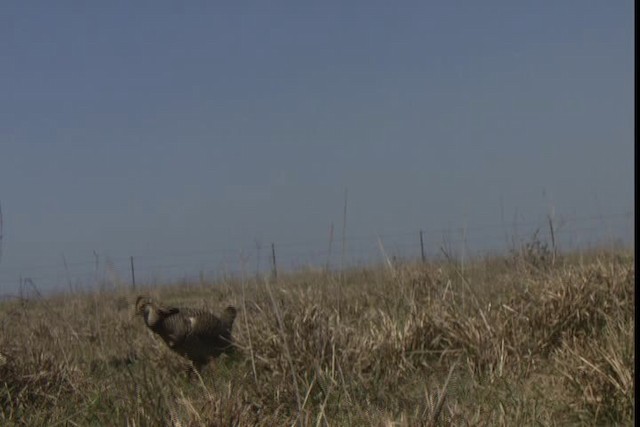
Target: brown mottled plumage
[(197, 335)]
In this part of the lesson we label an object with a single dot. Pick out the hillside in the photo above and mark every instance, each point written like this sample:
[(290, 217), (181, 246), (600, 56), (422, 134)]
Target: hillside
[(518, 340)]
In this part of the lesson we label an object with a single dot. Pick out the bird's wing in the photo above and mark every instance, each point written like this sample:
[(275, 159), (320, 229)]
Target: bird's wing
[(205, 325), (175, 326)]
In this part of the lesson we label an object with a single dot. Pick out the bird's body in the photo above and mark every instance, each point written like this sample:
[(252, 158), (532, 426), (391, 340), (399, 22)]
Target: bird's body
[(197, 335)]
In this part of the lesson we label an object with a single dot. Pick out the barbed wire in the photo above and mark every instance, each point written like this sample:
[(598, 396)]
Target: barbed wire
[(360, 249)]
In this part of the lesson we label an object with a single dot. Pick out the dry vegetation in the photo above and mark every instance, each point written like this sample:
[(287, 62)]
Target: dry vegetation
[(520, 340)]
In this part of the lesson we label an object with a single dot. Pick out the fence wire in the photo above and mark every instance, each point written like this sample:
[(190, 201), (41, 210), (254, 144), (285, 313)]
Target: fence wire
[(101, 271)]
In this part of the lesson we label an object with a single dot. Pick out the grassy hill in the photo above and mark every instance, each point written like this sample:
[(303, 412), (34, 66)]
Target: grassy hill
[(520, 340)]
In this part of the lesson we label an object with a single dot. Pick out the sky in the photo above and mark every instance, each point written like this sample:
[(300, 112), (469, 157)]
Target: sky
[(192, 136)]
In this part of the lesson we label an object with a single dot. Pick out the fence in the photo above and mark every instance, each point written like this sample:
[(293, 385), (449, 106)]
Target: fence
[(256, 259)]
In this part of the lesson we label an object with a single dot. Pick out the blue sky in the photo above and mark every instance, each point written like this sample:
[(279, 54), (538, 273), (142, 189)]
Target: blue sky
[(159, 129)]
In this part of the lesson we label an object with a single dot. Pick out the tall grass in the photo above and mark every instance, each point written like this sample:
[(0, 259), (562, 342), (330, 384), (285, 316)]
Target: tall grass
[(516, 340)]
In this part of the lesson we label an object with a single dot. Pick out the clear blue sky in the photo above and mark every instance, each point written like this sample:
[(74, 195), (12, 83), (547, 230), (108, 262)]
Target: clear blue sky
[(163, 128)]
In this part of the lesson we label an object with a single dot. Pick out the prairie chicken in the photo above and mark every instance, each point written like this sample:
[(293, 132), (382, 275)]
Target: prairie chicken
[(197, 335)]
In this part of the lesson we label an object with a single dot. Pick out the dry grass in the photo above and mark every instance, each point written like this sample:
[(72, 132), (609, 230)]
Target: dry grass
[(521, 340)]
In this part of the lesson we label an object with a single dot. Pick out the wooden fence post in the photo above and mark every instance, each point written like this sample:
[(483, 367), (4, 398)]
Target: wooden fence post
[(328, 266), (133, 275), (273, 258)]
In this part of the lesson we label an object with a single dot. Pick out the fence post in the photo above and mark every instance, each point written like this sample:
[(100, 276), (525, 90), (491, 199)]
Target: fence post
[(422, 248), (343, 253), (553, 239), (273, 258), (258, 247), (0, 233), (133, 275), (328, 266)]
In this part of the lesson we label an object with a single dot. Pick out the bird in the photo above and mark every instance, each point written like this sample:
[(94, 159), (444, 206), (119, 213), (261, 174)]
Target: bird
[(196, 334)]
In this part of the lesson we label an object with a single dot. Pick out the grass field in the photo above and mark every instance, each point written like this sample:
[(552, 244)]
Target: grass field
[(524, 339)]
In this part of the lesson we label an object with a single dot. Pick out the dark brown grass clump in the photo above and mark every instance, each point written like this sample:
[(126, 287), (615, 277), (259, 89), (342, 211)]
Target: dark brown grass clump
[(514, 341)]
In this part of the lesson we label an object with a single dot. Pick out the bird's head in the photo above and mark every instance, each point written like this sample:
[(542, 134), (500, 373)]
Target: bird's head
[(229, 315), (150, 311), (142, 302), (146, 308)]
